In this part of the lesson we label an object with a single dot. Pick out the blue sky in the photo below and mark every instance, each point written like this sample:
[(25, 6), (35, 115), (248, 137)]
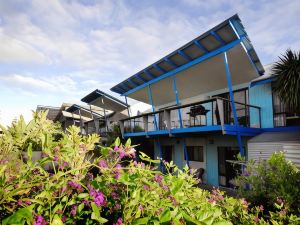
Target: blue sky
[(59, 51)]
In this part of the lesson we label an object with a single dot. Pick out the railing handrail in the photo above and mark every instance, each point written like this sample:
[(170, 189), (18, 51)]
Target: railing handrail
[(187, 105)]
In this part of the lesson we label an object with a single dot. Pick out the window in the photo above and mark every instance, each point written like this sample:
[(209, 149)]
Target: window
[(282, 115), (195, 153)]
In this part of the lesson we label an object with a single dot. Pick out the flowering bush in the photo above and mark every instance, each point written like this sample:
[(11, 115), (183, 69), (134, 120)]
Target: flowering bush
[(112, 189), (272, 181)]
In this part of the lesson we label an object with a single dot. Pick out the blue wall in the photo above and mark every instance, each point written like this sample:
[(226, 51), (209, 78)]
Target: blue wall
[(211, 142), (261, 95)]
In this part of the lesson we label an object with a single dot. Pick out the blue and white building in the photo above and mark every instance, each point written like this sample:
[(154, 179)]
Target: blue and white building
[(209, 98)]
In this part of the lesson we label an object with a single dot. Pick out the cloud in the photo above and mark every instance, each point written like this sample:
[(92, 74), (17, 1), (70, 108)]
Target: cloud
[(62, 50), (15, 51)]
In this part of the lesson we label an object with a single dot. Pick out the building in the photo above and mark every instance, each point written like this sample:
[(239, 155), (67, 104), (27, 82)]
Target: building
[(208, 98)]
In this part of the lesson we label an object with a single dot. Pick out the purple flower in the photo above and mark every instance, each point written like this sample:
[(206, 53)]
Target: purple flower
[(56, 158), (119, 221), (20, 202), (117, 171), (76, 186), (27, 202), (102, 163), (141, 208), (158, 178), (99, 199), (122, 155), (114, 195), (116, 148), (146, 187), (39, 220), (117, 206), (261, 208), (74, 210)]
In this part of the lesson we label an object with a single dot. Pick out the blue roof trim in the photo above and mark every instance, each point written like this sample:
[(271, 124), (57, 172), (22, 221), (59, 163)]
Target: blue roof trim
[(185, 66), (236, 30), (269, 80)]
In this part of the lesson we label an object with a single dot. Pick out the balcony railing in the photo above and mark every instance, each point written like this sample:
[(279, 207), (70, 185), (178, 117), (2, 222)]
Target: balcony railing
[(215, 111)]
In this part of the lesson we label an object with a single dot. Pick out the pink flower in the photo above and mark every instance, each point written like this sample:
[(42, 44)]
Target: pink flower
[(119, 221), (256, 219), (74, 210), (261, 208), (116, 148), (141, 208), (146, 187), (39, 220), (122, 155), (102, 163), (27, 202), (158, 178)]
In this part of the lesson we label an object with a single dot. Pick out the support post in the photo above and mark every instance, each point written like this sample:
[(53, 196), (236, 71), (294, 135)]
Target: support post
[(81, 129), (160, 154), (236, 122), (186, 153), (177, 101), (105, 118), (153, 108), (93, 118)]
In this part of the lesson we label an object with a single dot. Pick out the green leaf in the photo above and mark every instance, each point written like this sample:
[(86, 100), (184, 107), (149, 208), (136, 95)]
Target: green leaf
[(165, 216), (20, 217), (96, 214), (191, 219), (56, 220), (117, 141), (83, 195), (128, 142), (29, 152), (80, 207), (176, 186), (141, 221), (223, 222)]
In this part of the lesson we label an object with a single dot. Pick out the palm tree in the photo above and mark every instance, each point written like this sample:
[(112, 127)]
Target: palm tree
[(287, 84)]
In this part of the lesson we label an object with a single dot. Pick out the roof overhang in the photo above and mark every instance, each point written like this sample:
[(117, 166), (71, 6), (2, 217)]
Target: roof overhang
[(198, 66), (105, 101), (268, 77), (80, 110)]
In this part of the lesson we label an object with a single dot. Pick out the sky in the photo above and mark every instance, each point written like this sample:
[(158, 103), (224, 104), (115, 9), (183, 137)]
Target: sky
[(59, 51)]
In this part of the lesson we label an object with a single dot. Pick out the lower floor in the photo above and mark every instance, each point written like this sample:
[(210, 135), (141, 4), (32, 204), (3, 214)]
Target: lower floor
[(209, 153)]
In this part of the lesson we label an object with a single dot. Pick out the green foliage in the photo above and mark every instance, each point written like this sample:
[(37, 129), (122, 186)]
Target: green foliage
[(113, 134), (71, 185), (287, 84), (270, 180)]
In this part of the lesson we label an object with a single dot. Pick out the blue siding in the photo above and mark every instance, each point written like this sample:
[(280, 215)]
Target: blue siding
[(261, 95)]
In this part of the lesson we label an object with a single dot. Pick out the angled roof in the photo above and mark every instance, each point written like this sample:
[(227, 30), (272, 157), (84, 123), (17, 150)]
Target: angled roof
[(105, 101), (266, 78), (85, 111), (222, 37)]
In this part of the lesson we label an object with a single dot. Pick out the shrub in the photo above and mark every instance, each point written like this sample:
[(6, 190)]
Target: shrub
[(113, 189), (271, 181)]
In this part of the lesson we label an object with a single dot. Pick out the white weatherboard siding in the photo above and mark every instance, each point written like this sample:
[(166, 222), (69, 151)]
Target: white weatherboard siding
[(292, 153)]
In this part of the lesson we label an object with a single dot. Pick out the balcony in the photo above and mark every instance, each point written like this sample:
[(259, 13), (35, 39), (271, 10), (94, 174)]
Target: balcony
[(214, 114)]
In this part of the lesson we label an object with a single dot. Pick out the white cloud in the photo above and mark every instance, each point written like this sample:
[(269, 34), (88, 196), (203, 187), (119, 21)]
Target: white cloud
[(62, 50)]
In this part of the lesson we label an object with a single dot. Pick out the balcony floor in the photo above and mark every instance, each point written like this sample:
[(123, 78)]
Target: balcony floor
[(228, 129)]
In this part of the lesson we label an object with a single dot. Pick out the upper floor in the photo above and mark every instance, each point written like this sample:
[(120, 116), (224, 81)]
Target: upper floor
[(206, 86)]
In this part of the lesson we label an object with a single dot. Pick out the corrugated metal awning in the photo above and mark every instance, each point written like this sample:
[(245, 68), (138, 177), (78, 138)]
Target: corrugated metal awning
[(206, 46)]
